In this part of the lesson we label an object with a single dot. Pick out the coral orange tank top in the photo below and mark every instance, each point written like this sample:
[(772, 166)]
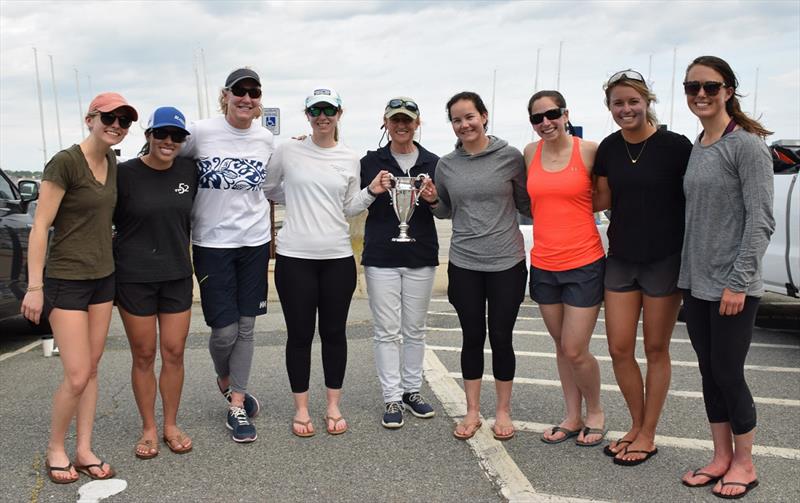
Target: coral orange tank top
[(564, 233)]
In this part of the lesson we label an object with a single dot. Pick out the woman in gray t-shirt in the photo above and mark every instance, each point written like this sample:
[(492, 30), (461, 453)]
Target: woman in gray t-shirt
[(728, 188)]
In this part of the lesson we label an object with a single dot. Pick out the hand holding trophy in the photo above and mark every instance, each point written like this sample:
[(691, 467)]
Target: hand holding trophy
[(405, 192)]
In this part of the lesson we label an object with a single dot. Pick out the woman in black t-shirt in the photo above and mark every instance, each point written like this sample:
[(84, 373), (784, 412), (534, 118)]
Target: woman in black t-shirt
[(154, 272), (639, 175)]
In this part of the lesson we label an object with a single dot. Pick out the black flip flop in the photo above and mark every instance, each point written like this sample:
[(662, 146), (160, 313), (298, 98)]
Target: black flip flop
[(567, 434), (56, 480), (607, 449), (634, 462), (592, 431), (712, 479), (747, 488)]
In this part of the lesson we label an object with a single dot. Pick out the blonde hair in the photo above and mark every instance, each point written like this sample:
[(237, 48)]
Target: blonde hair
[(641, 88)]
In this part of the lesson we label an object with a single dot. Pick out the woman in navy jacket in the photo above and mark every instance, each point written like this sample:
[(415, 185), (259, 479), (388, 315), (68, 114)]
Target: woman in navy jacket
[(399, 275)]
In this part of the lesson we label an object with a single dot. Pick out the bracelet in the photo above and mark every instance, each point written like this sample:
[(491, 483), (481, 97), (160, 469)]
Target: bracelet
[(35, 288), (369, 191)]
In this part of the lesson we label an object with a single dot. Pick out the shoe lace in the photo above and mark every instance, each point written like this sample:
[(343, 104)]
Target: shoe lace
[(393, 408), (416, 398), (240, 415)]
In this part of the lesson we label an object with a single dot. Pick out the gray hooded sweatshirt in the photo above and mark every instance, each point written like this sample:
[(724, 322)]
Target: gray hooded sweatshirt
[(482, 194)]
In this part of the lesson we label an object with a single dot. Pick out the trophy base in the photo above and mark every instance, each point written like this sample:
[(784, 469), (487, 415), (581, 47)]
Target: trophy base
[(404, 240)]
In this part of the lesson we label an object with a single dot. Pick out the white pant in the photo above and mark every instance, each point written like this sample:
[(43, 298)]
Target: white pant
[(399, 299)]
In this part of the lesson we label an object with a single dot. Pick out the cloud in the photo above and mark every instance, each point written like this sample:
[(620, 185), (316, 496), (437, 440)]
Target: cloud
[(371, 51)]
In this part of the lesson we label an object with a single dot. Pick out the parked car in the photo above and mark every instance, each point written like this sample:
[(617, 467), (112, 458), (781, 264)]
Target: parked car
[(15, 226), (782, 260)]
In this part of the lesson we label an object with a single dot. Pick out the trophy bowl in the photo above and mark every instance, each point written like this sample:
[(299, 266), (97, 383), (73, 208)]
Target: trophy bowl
[(405, 192)]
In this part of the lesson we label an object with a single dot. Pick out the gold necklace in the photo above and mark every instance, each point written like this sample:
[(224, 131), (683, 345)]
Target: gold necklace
[(640, 152)]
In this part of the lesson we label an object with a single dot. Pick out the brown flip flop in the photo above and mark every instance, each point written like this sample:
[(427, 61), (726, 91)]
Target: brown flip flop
[(336, 420), (56, 480), (149, 446), (507, 436), (87, 470), (472, 428), (308, 433), (180, 438)]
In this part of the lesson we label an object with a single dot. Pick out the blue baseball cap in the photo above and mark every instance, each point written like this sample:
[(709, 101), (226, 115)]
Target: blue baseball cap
[(167, 117)]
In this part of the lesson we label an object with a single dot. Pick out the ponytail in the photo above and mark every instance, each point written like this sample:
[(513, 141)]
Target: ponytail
[(732, 106)]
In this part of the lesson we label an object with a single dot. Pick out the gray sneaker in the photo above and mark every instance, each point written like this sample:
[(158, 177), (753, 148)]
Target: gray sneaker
[(393, 416)]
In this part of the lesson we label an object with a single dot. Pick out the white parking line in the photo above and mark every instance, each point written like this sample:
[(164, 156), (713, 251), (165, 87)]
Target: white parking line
[(676, 340), (23, 349), (675, 363), (679, 442), (492, 455), (611, 387)]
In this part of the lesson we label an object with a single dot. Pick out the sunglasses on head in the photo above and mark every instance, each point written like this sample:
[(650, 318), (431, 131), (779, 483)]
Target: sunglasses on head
[(551, 115), (408, 105), (712, 88), (316, 111), (162, 133), (625, 74), (239, 92), (108, 119)]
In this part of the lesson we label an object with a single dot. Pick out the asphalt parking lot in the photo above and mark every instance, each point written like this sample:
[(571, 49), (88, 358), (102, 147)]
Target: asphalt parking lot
[(421, 461)]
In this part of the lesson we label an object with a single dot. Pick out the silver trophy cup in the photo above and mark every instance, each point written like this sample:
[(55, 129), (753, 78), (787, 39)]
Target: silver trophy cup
[(405, 192)]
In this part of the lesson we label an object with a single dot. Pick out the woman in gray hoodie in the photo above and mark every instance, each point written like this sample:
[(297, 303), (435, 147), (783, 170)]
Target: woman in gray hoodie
[(480, 186)]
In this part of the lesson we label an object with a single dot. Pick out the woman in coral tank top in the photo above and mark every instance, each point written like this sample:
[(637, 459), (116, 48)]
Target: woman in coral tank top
[(567, 261)]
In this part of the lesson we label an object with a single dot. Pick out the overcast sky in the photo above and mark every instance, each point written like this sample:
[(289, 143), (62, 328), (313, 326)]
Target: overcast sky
[(371, 51)]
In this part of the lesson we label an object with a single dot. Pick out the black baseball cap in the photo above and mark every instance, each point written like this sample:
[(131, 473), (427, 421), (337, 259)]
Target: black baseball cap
[(241, 74)]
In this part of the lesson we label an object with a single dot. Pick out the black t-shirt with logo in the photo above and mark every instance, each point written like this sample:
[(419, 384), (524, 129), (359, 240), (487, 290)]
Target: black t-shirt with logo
[(647, 203), (153, 221)]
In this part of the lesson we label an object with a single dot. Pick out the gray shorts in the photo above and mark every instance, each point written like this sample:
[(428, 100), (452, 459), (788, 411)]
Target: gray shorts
[(579, 287), (655, 279)]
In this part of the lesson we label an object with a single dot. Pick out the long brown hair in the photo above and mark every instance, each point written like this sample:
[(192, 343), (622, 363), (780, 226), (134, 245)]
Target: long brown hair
[(732, 106)]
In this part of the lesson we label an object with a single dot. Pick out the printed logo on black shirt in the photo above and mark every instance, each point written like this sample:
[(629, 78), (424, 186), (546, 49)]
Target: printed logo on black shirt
[(182, 188)]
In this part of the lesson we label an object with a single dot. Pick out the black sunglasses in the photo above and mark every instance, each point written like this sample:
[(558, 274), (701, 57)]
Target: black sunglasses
[(162, 133), (551, 115), (712, 88), (108, 119), (625, 74), (316, 111), (408, 105), (238, 91)]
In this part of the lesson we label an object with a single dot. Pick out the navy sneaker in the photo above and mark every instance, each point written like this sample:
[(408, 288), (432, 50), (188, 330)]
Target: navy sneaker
[(393, 417), (242, 430), (419, 407), (251, 405)]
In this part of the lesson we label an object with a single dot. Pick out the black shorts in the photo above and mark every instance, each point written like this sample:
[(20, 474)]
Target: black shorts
[(655, 279), (579, 287), (233, 282), (77, 294), (148, 299)]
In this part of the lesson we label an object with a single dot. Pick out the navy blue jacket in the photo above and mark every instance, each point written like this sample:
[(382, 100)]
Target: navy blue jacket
[(381, 226)]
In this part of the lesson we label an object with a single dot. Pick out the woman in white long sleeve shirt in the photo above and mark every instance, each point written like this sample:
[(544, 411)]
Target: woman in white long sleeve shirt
[(315, 272)]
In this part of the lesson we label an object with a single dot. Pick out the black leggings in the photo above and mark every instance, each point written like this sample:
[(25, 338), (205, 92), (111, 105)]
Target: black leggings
[(468, 292), (307, 287), (721, 344)]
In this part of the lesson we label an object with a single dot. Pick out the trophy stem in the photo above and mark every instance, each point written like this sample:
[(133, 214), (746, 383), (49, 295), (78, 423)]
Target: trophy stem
[(403, 237)]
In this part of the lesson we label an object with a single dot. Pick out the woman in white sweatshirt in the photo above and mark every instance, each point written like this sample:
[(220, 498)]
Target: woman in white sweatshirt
[(315, 273)]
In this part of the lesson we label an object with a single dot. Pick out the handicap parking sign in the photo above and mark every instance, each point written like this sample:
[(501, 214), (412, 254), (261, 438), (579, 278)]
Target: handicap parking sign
[(271, 119)]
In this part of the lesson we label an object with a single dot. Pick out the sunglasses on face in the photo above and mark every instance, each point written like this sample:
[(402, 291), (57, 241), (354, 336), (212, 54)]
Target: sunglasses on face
[(408, 105), (317, 111), (108, 119), (551, 115), (625, 74), (711, 88), (176, 136), (239, 92)]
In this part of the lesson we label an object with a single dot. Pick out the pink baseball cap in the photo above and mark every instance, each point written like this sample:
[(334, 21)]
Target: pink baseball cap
[(108, 102)]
